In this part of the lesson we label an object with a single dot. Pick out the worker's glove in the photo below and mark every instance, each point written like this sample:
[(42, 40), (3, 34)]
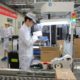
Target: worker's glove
[(35, 38)]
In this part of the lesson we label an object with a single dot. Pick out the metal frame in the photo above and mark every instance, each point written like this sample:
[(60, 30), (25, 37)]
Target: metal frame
[(10, 74), (55, 22)]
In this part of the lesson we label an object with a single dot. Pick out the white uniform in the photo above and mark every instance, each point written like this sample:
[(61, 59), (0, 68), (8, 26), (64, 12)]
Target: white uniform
[(8, 32), (25, 47)]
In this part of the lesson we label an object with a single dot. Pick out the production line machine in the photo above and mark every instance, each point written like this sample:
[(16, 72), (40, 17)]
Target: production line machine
[(16, 74), (35, 73)]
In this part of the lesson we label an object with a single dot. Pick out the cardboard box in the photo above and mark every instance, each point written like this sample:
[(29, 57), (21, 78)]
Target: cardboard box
[(64, 74), (77, 48), (49, 53)]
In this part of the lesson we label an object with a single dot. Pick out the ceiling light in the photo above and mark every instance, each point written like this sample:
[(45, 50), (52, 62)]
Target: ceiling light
[(54, 22), (25, 9)]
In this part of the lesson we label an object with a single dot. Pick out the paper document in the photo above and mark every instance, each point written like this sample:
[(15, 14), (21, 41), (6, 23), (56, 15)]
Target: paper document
[(37, 33)]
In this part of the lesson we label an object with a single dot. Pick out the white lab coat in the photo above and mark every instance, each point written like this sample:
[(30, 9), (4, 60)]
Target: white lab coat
[(8, 32), (25, 47)]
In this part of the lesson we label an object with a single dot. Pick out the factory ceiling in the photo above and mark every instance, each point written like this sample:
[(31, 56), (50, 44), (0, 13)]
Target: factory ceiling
[(24, 6)]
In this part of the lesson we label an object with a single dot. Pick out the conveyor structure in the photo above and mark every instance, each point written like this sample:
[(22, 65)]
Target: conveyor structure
[(10, 74)]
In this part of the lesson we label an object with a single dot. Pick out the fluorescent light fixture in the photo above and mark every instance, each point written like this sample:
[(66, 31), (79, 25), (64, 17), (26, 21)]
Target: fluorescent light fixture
[(25, 9), (18, 4), (54, 22)]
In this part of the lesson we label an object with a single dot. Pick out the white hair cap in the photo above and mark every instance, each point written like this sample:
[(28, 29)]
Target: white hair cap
[(31, 16)]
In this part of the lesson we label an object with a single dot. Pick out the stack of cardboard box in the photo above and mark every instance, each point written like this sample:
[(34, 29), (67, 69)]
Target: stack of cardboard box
[(49, 53), (77, 48)]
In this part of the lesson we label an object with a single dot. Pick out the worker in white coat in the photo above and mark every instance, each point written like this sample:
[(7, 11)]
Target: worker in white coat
[(8, 31), (26, 42)]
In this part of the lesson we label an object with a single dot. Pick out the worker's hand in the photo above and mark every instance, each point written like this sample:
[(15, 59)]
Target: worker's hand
[(35, 38)]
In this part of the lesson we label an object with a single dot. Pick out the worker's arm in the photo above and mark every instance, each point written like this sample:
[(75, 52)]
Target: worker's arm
[(26, 39)]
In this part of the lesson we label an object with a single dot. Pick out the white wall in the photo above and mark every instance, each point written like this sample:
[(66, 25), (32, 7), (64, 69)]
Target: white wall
[(3, 20), (15, 23)]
